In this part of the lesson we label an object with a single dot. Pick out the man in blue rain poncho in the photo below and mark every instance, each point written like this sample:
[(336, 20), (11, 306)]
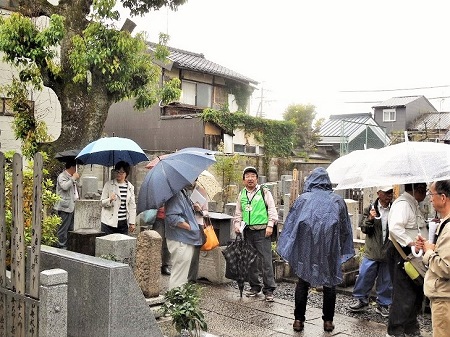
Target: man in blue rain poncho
[(316, 239)]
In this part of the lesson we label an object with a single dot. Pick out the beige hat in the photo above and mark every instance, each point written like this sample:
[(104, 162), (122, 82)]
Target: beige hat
[(385, 188)]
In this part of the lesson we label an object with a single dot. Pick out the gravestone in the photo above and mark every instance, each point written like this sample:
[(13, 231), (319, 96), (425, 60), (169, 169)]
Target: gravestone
[(148, 262), (104, 299), (120, 246), (353, 210), (230, 208), (87, 214)]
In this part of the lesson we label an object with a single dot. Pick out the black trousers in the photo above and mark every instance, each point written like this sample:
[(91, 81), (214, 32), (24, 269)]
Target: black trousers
[(407, 297), (301, 297), (122, 228)]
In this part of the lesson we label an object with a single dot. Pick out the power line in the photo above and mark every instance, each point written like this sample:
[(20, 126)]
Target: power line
[(374, 102), (384, 90)]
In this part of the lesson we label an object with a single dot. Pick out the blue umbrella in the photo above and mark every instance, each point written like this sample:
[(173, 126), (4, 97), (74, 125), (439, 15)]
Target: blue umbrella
[(171, 174), (109, 151)]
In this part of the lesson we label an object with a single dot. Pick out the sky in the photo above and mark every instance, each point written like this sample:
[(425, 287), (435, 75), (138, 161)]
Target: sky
[(327, 53)]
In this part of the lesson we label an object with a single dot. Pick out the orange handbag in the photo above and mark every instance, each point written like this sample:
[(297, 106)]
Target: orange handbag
[(211, 238)]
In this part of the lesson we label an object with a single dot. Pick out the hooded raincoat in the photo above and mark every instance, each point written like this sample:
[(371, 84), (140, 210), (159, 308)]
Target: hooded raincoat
[(317, 235)]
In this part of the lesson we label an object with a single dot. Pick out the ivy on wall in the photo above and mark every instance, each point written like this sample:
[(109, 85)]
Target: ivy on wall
[(277, 136)]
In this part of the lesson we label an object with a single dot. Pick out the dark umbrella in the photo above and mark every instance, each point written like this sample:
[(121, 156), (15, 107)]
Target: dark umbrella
[(171, 174), (66, 156), (239, 256)]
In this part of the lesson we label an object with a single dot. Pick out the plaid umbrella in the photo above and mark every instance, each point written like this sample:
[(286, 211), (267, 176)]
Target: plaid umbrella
[(239, 255)]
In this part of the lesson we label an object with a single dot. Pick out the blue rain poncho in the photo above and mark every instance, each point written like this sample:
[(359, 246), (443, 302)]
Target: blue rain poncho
[(317, 235)]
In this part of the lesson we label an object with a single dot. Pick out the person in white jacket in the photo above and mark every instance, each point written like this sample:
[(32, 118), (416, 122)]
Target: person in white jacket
[(118, 203)]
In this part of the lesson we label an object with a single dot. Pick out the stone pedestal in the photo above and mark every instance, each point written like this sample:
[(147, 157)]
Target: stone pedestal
[(122, 247), (83, 240)]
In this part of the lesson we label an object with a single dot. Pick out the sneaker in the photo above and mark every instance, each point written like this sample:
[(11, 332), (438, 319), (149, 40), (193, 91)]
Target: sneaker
[(414, 334), (252, 293), (269, 297), (382, 310), (358, 306)]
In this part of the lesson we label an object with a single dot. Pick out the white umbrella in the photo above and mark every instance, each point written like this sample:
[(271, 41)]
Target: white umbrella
[(403, 163), (346, 169)]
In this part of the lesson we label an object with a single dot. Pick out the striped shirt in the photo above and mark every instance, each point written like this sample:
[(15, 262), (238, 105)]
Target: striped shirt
[(123, 201)]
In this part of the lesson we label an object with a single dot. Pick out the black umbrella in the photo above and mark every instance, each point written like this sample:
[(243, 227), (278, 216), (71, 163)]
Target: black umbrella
[(66, 156), (239, 255)]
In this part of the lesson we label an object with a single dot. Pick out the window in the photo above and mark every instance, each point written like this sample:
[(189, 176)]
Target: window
[(239, 148), (5, 107), (198, 94), (389, 115)]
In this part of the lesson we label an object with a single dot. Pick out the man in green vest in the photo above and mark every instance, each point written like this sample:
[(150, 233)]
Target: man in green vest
[(255, 216)]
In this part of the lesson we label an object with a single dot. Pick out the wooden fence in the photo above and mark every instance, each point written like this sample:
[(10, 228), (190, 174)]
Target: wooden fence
[(19, 293)]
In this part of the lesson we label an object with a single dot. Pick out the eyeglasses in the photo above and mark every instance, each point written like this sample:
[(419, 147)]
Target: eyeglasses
[(120, 172), (430, 194)]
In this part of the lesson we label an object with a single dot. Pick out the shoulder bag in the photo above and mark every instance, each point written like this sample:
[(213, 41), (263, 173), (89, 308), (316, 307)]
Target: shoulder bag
[(211, 238)]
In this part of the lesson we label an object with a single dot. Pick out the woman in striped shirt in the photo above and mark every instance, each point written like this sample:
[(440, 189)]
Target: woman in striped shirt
[(118, 203)]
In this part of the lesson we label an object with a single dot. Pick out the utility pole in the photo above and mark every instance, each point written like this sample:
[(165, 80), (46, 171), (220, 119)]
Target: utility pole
[(261, 112)]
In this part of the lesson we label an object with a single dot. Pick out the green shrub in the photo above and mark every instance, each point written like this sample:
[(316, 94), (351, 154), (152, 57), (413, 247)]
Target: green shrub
[(182, 303)]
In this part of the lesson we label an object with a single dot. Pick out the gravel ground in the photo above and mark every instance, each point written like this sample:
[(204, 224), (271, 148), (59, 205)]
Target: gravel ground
[(286, 290)]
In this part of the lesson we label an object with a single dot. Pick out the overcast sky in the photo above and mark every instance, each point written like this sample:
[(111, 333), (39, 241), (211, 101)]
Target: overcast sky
[(305, 52)]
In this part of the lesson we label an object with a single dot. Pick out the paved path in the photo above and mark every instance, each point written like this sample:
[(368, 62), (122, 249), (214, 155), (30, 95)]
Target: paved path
[(230, 316)]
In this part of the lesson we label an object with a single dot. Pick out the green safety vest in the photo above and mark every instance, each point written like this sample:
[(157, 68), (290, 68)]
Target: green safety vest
[(258, 214)]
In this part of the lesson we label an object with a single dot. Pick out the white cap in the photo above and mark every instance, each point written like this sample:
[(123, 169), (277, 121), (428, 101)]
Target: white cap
[(385, 188)]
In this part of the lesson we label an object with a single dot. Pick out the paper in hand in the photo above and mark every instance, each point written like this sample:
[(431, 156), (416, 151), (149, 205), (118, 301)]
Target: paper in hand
[(196, 197)]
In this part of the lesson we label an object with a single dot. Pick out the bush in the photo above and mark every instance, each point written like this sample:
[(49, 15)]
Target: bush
[(182, 303)]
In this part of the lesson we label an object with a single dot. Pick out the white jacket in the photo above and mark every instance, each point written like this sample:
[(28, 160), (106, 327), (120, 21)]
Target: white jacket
[(110, 209)]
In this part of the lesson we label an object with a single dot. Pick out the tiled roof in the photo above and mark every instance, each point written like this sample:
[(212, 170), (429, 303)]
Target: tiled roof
[(350, 123), (447, 136), (433, 121), (397, 101), (197, 62)]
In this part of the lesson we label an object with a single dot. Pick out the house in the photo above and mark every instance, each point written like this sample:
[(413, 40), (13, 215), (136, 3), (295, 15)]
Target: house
[(397, 114), (431, 126), (342, 134), (204, 84)]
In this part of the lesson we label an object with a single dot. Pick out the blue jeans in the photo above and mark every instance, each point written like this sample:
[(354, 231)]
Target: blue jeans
[(369, 272), (263, 245)]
